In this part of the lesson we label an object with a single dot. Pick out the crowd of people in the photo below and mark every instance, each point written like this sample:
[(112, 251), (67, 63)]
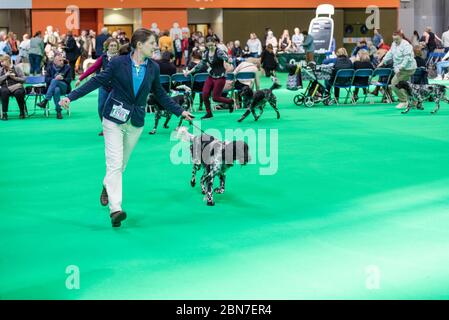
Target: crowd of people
[(61, 58)]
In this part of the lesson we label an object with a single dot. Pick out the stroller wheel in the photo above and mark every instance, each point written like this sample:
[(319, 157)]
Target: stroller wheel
[(309, 102), (298, 100)]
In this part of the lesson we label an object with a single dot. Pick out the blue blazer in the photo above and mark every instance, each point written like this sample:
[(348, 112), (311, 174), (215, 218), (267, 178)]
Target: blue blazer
[(118, 76)]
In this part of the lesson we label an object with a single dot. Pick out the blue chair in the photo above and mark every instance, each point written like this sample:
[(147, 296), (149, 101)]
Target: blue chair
[(180, 79), (198, 82), (245, 76), (38, 85), (165, 82), (343, 80), (361, 75), (420, 76), (381, 79)]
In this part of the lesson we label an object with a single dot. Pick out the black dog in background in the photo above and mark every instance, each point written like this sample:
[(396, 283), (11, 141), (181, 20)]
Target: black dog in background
[(183, 98), (419, 93), (257, 100), (215, 157)]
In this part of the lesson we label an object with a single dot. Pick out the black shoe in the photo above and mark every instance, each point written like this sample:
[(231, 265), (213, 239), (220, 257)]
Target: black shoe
[(153, 132), (104, 199), (22, 116), (117, 218), (58, 115), (43, 104), (4, 116), (231, 108), (207, 116), (101, 134)]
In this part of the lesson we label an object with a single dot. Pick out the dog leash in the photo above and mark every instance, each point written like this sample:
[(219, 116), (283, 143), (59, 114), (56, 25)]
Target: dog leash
[(195, 126)]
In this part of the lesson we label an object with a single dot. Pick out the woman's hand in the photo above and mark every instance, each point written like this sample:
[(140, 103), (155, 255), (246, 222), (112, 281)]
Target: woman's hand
[(186, 73), (65, 103), (186, 115)]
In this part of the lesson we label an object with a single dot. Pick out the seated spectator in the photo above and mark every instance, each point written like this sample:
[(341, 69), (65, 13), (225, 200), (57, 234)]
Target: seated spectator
[(443, 64), (166, 64), (362, 45), (246, 52), (58, 77), (165, 42), (285, 44), (342, 62), (11, 85), (363, 62), (297, 40), (420, 62), (268, 61)]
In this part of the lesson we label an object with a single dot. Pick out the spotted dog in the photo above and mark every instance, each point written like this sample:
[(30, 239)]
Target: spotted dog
[(419, 93), (215, 157), (182, 97), (258, 100)]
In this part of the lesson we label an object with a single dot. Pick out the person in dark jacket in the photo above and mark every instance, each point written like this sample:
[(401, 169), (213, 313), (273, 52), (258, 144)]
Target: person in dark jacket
[(100, 40), (363, 62), (72, 52), (58, 77), (268, 61), (342, 62), (132, 78), (166, 65)]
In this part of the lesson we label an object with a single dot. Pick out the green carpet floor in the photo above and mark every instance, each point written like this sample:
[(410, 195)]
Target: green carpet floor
[(357, 187)]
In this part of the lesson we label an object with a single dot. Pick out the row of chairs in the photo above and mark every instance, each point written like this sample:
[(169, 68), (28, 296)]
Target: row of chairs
[(196, 82), (346, 79)]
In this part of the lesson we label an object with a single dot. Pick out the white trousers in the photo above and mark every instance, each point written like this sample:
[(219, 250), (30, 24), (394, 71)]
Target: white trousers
[(119, 141)]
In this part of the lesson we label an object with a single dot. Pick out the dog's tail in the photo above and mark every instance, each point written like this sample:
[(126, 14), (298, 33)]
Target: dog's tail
[(184, 134), (276, 84)]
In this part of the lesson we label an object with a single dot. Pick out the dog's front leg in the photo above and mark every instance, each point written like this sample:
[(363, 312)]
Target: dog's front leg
[(260, 114), (245, 115), (273, 104), (221, 189), (409, 106), (157, 117), (167, 120)]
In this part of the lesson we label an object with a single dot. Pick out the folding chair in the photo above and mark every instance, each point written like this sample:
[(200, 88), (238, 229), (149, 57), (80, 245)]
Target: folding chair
[(361, 74), (38, 85), (180, 79), (383, 76), (198, 82), (343, 80), (420, 76)]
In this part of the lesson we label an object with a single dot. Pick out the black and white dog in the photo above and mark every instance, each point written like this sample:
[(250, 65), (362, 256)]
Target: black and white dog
[(257, 100), (215, 157), (184, 99), (419, 93)]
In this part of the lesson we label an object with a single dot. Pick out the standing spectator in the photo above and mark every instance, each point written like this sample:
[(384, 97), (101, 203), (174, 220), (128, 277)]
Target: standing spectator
[(24, 49), (92, 44), (377, 38), (165, 42), (268, 61), (177, 45), (430, 40), (445, 40), (197, 87), (237, 53), (5, 48), (297, 40), (210, 33), (271, 39), (342, 62), (36, 53), (58, 77), (285, 43), (13, 43), (215, 58), (309, 46), (404, 64), (415, 39), (100, 40), (11, 85), (192, 40), (363, 62), (254, 46), (185, 47), (72, 52)]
